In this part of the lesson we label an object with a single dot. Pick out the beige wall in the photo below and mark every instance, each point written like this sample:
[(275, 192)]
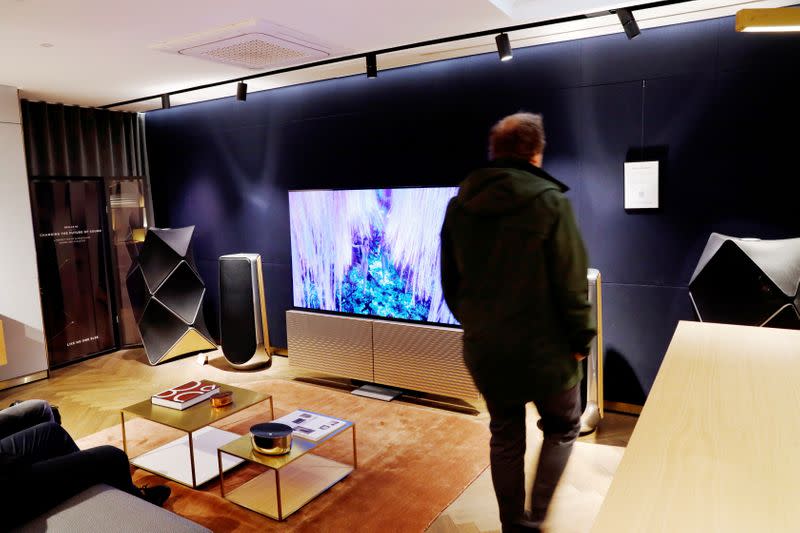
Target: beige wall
[(20, 309)]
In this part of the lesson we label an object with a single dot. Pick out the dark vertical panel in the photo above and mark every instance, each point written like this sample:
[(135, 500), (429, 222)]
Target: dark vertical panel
[(638, 323), (611, 119), (659, 52), (757, 178), (75, 142)]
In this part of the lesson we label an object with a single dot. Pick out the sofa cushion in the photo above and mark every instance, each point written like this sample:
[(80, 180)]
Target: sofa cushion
[(103, 508)]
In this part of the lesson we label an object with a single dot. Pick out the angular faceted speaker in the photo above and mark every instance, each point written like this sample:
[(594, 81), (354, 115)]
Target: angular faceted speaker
[(243, 314), (748, 281), (166, 294)]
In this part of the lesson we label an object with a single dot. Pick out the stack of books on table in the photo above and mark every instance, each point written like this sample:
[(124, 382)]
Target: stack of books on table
[(186, 395)]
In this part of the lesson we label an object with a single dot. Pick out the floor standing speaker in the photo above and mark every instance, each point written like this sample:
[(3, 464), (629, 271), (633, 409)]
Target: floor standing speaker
[(243, 314), (748, 281), (592, 383), (166, 295)]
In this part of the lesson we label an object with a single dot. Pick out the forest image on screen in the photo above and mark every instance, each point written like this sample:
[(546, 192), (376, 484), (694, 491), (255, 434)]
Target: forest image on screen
[(370, 252)]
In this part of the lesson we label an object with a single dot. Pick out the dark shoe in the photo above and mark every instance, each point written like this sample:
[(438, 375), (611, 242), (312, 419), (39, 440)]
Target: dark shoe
[(156, 495), (521, 528)]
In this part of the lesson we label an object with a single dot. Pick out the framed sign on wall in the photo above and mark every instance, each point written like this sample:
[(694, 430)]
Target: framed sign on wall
[(641, 185)]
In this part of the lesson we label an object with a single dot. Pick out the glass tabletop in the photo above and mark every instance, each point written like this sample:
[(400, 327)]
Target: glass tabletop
[(197, 416), (243, 448)]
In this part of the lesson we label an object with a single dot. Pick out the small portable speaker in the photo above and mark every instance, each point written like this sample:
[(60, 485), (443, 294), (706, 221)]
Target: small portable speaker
[(243, 315)]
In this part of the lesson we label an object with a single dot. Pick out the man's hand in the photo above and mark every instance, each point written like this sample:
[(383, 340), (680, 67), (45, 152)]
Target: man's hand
[(579, 356)]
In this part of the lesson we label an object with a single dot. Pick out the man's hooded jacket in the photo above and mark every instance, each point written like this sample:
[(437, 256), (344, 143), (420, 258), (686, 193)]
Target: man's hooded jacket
[(514, 275)]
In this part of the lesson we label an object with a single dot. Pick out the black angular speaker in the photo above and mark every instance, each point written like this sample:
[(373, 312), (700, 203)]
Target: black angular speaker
[(166, 294), (748, 281), (243, 315)]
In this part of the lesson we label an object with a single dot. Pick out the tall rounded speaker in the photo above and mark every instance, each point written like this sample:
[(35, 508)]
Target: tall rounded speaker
[(243, 315)]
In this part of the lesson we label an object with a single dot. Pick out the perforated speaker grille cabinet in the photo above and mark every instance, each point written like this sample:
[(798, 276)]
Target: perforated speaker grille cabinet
[(418, 357), (421, 357), (166, 294), (748, 281), (243, 315)]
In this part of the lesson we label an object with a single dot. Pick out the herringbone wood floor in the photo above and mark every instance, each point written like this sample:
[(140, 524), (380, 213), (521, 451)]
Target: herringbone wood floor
[(91, 393)]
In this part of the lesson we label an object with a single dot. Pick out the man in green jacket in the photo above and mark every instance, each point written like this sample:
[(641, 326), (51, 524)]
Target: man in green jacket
[(514, 275)]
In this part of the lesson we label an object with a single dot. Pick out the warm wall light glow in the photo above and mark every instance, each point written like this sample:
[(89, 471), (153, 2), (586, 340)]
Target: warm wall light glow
[(768, 20)]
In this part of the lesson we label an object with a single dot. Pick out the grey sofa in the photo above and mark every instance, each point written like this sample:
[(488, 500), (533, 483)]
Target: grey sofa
[(101, 508)]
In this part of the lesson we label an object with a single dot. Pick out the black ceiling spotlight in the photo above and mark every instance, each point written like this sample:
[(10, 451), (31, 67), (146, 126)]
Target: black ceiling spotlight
[(628, 23), (241, 91), (503, 47), (165, 101), (372, 65)]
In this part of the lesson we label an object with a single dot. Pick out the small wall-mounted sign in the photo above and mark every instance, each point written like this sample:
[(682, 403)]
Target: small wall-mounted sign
[(641, 185)]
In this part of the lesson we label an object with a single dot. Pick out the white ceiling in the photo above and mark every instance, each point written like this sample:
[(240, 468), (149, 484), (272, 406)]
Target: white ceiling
[(98, 52)]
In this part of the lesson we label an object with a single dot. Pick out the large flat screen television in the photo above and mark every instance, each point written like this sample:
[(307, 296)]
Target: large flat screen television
[(371, 252)]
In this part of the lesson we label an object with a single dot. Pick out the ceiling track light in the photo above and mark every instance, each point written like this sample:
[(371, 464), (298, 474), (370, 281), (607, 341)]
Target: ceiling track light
[(165, 101), (503, 47), (241, 91), (768, 20), (372, 65), (628, 23), (631, 29)]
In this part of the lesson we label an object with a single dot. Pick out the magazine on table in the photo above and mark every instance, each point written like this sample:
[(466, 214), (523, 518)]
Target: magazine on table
[(186, 395), (310, 426)]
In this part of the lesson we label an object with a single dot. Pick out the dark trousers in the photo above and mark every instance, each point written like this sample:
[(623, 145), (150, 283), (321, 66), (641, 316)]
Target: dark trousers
[(42, 466), (561, 423), (23, 416)]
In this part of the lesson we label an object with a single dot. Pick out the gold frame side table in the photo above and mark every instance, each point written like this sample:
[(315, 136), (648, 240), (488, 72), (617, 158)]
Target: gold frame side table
[(305, 474), (201, 438)]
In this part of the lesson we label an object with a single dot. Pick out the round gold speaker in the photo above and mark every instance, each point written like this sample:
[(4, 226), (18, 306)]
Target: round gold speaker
[(271, 438)]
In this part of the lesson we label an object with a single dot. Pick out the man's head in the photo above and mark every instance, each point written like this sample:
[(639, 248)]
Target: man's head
[(518, 136)]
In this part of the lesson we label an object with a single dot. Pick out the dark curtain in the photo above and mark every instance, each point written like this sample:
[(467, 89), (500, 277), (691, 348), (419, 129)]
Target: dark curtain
[(74, 142)]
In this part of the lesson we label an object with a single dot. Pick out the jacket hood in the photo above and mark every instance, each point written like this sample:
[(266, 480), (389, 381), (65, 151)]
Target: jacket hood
[(505, 186)]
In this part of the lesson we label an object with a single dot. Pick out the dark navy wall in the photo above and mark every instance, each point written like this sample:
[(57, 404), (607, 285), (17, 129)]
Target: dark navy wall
[(707, 101)]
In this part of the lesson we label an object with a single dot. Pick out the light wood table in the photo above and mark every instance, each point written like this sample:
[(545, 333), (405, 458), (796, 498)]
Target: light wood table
[(717, 446)]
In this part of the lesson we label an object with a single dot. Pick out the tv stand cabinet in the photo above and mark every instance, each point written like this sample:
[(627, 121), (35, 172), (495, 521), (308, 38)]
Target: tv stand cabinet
[(396, 354), (418, 357)]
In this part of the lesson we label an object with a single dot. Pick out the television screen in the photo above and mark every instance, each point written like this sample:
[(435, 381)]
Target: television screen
[(370, 252)]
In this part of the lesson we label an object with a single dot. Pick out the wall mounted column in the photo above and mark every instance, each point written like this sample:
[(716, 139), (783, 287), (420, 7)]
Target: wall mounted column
[(20, 308)]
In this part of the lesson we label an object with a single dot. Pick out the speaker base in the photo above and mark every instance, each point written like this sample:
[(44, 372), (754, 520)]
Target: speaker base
[(260, 359), (590, 418), (379, 393)]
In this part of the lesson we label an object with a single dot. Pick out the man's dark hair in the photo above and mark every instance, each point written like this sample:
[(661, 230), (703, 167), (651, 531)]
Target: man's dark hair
[(518, 136)]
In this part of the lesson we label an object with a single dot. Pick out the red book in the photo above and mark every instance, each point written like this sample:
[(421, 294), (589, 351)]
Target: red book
[(186, 395)]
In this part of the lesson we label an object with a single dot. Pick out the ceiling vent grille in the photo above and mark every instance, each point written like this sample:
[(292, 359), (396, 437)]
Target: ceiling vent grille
[(254, 44)]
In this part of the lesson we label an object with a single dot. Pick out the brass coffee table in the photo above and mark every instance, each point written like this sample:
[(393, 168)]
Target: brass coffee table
[(300, 476), (201, 441)]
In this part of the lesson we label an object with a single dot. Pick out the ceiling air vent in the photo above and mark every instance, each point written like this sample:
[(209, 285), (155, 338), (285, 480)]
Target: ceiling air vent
[(254, 44)]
